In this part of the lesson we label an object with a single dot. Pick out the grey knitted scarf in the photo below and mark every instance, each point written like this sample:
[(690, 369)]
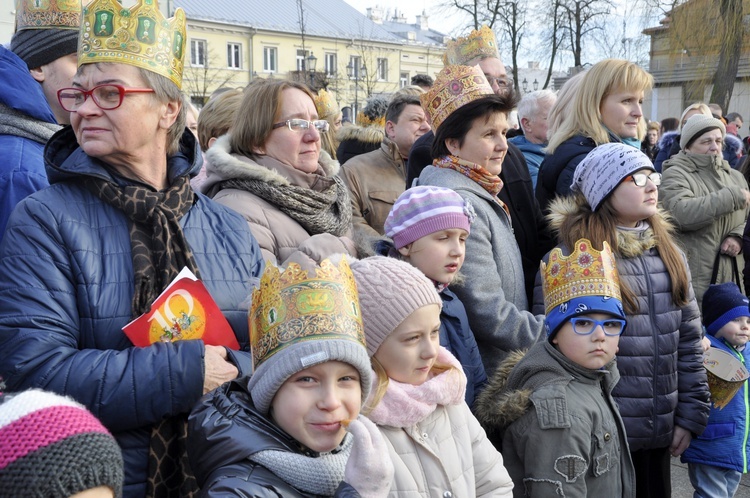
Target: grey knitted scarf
[(18, 124), (319, 475), (326, 211)]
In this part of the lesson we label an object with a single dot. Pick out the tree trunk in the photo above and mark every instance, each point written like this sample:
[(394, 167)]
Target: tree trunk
[(729, 55)]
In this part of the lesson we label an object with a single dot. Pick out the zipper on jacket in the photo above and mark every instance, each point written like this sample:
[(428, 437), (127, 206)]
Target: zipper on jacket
[(747, 409), (652, 321)]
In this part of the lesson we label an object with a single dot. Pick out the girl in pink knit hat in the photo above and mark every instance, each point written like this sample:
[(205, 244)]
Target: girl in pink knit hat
[(436, 445)]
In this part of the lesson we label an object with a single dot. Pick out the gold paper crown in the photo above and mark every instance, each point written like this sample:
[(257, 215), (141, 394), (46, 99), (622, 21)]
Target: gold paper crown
[(325, 105), (297, 305), (455, 86), (479, 43), (48, 14), (139, 36), (586, 272)]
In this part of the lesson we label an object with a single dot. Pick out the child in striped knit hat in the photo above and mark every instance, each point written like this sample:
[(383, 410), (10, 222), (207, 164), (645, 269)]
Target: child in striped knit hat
[(52, 447), (429, 227)]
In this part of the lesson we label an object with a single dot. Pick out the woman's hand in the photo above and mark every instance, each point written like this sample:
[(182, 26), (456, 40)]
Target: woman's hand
[(747, 196), (680, 441), (369, 469), (218, 369), (731, 246)]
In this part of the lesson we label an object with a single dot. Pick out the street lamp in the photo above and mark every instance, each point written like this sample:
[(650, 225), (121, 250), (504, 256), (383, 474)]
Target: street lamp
[(353, 72), (312, 61), (525, 85), (536, 84)]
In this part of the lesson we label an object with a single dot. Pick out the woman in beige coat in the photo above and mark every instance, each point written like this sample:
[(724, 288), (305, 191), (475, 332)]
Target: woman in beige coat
[(271, 169), (436, 445), (708, 201)]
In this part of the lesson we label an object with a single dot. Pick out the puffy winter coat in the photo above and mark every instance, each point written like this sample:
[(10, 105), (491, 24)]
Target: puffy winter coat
[(26, 122), (224, 430), (494, 293), (663, 382), (725, 442), (556, 171), (375, 180), (529, 227), (560, 429), (278, 234), (66, 281), (704, 197), (355, 140)]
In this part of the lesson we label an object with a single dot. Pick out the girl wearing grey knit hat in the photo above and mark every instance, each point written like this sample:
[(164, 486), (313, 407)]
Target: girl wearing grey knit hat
[(662, 392), (437, 446), (292, 428)]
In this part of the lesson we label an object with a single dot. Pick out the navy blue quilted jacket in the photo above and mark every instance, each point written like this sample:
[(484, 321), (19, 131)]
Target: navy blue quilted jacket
[(66, 285)]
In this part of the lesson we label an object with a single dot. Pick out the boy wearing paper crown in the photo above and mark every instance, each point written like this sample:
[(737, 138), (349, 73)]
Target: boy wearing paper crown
[(292, 428), (717, 458), (562, 434)]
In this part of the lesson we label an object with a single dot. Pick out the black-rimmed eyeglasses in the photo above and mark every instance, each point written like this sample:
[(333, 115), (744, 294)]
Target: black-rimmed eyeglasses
[(640, 179), (106, 97), (303, 125), (584, 325)]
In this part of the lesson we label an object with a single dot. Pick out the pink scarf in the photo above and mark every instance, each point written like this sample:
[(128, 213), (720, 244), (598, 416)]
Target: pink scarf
[(405, 405)]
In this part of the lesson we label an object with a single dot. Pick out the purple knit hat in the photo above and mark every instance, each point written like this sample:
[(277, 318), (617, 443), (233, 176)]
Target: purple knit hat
[(423, 210)]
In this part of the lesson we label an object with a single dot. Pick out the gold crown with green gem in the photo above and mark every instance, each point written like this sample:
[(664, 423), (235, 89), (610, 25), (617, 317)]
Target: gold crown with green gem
[(48, 14), (480, 43), (139, 36), (585, 272), (298, 305)]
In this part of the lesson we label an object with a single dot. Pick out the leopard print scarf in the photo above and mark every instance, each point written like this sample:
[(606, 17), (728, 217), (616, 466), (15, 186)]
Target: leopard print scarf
[(159, 252)]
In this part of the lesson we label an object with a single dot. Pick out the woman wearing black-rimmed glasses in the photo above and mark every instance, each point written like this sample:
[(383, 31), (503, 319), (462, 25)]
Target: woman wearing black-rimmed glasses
[(85, 256), (271, 169)]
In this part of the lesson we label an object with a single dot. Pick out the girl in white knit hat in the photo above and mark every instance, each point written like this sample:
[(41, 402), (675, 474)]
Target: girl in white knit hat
[(437, 446)]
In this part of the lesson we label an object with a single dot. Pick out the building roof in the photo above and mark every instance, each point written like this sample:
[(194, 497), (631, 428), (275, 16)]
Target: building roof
[(420, 36), (325, 18)]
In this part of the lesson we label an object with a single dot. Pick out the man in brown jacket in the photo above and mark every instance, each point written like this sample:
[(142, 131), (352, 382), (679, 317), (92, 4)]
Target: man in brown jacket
[(377, 178)]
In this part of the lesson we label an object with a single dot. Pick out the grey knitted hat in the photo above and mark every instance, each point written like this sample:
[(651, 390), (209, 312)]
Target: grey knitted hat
[(697, 125), (389, 291), (604, 168), (37, 47)]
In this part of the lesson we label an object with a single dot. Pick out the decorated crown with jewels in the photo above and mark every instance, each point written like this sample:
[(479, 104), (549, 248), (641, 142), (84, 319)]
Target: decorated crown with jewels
[(585, 272), (298, 305), (454, 87), (480, 43), (139, 36), (326, 105), (48, 14)]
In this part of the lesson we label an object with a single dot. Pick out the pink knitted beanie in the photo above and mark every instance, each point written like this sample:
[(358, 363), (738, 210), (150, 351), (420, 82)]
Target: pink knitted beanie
[(389, 291)]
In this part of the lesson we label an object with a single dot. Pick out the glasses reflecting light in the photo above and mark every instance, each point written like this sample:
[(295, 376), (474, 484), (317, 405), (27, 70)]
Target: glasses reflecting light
[(640, 179), (303, 125)]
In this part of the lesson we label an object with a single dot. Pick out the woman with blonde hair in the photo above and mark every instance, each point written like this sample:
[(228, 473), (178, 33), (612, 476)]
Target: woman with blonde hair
[(328, 109), (606, 108)]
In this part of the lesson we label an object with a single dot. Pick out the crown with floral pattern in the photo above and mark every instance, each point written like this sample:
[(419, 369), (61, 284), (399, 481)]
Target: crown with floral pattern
[(586, 272), (479, 43), (326, 105), (300, 305), (454, 87), (48, 14), (139, 36)]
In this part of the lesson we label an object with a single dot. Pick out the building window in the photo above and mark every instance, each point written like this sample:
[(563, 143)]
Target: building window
[(382, 69), (404, 80), (330, 65), (301, 56), (269, 60), (234, 55), (356, 64), (198, 53)]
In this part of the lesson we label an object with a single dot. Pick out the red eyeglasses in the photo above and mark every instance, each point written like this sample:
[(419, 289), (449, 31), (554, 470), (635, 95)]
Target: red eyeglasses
[(106, 97)]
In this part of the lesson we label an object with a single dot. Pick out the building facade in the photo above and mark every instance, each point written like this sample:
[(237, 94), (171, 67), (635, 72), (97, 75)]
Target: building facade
[(350, 54)]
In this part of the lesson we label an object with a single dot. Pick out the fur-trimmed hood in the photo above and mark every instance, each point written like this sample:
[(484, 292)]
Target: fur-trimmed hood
[(495, 408), (630, 243), (222, 164), (367, 134), (666, 140)]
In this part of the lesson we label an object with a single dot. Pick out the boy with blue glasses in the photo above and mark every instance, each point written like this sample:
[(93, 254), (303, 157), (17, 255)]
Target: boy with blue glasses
[(561, 432)]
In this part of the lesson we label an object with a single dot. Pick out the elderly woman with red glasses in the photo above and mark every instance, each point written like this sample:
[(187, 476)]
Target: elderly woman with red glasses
[(85, 256), (270, 168)]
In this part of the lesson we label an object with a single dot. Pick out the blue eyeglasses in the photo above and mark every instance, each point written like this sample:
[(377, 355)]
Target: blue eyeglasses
[(584, 325)]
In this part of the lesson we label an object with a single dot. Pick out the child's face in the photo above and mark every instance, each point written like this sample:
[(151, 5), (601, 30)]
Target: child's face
[(632, 203), (735, 332), (311, 404), (410, 351), (438, 255), (591, 351)]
